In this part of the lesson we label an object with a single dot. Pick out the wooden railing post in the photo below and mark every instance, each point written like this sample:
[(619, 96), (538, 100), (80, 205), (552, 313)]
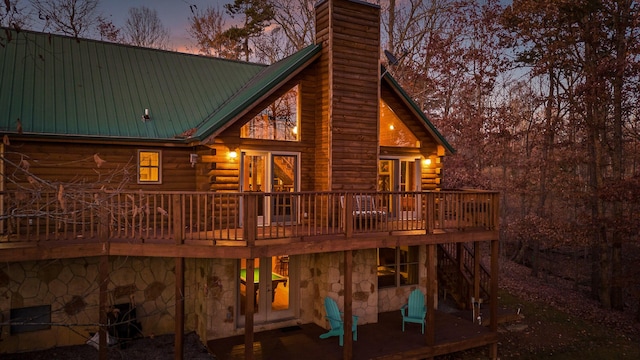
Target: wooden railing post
[(250, 217), (348, 215), (430, 212)]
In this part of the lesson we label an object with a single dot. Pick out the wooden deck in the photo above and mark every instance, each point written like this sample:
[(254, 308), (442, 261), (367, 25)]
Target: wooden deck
[(383, 340), (227, 225)]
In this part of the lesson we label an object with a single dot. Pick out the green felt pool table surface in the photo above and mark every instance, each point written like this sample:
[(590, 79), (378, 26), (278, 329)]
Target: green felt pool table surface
[(275, 277)]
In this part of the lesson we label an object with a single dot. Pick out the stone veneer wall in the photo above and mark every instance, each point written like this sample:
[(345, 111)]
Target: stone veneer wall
[(329, 281), (216, 282), (71, 287)]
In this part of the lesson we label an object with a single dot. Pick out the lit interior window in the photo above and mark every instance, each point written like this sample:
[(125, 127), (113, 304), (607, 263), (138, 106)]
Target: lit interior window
[(393, 132), (148, 166), (278, 121)]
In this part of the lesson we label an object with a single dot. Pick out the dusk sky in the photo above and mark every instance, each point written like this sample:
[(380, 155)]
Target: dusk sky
[(173, 13)]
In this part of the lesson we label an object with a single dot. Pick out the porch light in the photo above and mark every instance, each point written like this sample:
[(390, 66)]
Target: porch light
[(391, 127), (233, 154), (427, 161)]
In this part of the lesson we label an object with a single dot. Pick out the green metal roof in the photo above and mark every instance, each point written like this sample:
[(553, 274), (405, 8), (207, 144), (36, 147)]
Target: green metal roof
[(62, 86), (434, 131)]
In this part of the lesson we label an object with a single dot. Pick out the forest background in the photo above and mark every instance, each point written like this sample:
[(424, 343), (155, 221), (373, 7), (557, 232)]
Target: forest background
[(538, 97)]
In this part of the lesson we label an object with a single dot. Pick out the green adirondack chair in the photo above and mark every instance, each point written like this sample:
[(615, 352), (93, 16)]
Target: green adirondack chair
[(337, 324), (414, 311)]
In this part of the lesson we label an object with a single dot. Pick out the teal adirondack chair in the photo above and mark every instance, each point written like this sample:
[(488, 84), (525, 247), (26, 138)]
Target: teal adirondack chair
[(414, 311), (337, 324)]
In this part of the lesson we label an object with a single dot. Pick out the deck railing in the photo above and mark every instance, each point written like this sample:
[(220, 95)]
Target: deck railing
[(237, 218)]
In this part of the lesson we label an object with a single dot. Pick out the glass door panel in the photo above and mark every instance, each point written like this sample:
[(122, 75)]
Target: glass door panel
[(408, 183), (254, 178), (284, 170), (271, 278), (386, 182)]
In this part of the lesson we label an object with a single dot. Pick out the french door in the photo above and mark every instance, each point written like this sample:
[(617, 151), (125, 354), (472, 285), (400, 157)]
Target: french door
[(274, 277), (276, 173), (401, 175)]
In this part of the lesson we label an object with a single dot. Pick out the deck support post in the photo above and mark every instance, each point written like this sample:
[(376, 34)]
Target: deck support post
[(179, 310), (178, 228), (249, 310), (432, 293), (476, 271), (348, 308), (462, 285), (250, 218), (493, 326), (103, 278)]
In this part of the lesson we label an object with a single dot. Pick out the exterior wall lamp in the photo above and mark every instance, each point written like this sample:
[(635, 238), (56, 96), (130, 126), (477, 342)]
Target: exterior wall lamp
[(193, 159), (233, 154)]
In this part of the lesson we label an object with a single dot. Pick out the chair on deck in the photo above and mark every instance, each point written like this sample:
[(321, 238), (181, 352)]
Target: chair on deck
[(414, 311), (365, 210), (337, 324)]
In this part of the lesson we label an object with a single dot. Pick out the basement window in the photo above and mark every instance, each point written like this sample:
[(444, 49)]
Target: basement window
[(278, 121), (398, 266), (149, 169), (29, 319)]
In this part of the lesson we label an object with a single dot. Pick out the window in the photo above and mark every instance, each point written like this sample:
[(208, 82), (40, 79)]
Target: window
[(149, 170), (398, 266), (28, 319), (393, 132), (278, 121)]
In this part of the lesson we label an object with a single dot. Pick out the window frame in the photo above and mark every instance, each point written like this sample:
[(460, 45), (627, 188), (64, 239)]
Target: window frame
[(413, 252), (247, 133), (158, 167), (20, 318)]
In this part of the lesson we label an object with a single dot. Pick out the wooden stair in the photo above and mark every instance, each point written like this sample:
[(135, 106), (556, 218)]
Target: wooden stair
[(456, 275)]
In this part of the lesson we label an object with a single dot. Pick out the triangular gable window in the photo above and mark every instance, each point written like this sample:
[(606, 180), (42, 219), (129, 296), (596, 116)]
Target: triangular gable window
[(278, 121), (393, 132)]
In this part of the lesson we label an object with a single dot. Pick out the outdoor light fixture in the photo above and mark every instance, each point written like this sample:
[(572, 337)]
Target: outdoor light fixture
[(193, 159), (146, 116), (427, 161), (391, 127), (233, 154)]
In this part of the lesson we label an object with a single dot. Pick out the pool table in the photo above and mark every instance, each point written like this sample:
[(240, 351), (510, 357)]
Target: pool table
[(275, 280)]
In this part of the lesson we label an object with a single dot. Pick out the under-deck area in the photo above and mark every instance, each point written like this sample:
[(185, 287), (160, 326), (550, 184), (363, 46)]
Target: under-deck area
[(382, 340)]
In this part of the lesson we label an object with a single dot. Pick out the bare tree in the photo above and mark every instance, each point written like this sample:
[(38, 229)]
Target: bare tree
[(144, 28), (108, 31), (206, 28), (69, 17), (296, 19), (13, 14)]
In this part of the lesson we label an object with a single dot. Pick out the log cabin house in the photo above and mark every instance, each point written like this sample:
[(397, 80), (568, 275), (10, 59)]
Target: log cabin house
[(176, 185)]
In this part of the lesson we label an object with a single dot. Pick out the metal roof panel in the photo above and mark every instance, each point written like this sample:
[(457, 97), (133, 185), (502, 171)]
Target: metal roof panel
[(59, 85)]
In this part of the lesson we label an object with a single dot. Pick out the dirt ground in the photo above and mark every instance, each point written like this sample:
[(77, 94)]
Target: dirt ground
[(558, 321), (156, 348)]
